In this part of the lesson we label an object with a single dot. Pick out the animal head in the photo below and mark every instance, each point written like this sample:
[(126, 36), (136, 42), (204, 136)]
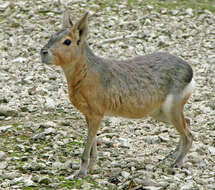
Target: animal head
[(66, 46)]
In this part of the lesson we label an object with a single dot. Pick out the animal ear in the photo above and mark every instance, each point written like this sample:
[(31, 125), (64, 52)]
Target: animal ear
[(67, 22), (82, 28)]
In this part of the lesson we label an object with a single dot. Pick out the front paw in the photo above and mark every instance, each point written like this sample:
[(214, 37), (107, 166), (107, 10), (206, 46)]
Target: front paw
[(177, 164)]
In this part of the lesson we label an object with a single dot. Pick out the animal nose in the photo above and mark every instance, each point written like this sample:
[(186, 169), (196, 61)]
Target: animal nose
[(44, 51)]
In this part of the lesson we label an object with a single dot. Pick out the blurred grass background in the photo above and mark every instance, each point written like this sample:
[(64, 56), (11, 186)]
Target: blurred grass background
[(169, 4)]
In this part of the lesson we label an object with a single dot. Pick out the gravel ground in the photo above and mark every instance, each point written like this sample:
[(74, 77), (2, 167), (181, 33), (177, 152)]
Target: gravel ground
[(42, 134)]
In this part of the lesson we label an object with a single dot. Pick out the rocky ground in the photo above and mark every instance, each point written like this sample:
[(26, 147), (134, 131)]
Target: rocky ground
[(42, 135)]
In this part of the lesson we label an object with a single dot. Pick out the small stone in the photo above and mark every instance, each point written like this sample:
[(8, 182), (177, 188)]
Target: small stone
[(5, 184), (50, 104), (189, 11), (212, 150), (57, 2), (188, 165), (175, 12), (149, 167), (115, 164), (152, 139), (163, 139), (4, 5), (48, 124), (40, 136), (145, 181), (35, 178), (75, 166), (28, 182), (59, 143), (2, 117), (149, 7), (57, 165), (21, 147), (124, 143), (188, 186), (20, 60), (148, 22), (34, 166), (106, 154), (104, 141), (2, 155), (10, 175), (50, 131), (17, 180), (3, 165), (7, 111), (68, 164), (125, 174), (194, 158)]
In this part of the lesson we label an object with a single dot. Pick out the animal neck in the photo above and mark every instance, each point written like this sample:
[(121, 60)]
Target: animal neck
[(92, 59), (76, 72)]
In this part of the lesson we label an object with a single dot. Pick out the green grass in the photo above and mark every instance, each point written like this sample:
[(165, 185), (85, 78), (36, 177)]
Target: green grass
[(30, 188), (70, 184), (2, 19), (168, 4), (194, 4), (76, 183)]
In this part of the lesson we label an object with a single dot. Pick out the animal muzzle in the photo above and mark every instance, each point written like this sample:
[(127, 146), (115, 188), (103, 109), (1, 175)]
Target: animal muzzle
[(45, 56)]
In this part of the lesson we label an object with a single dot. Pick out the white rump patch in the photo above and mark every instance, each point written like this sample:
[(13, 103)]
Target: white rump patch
[(189, 88), (169, 99)]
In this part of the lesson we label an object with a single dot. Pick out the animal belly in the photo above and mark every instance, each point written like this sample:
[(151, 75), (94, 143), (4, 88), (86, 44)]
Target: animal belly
[(131, 111)]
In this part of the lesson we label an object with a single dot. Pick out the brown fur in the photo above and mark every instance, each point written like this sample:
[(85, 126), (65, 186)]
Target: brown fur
[(146, 85)]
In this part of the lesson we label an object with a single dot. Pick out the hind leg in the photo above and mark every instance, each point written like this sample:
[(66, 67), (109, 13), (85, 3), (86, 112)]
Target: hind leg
[(160, 115), (174, 111), (175, 153)]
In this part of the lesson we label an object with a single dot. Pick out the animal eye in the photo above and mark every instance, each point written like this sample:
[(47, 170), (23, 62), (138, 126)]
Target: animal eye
[(67, 42)]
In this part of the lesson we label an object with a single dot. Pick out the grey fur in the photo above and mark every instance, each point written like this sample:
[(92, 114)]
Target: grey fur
[(137, 81), (157, 84)]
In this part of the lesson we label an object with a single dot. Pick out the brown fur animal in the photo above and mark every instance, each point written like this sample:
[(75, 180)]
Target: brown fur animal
[(157, 85)]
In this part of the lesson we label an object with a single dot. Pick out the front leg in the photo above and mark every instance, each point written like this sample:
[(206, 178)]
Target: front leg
[(93, 156), (93, 122)]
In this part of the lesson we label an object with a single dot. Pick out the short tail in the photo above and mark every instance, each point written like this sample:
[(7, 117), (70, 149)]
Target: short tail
[(189, 88)]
